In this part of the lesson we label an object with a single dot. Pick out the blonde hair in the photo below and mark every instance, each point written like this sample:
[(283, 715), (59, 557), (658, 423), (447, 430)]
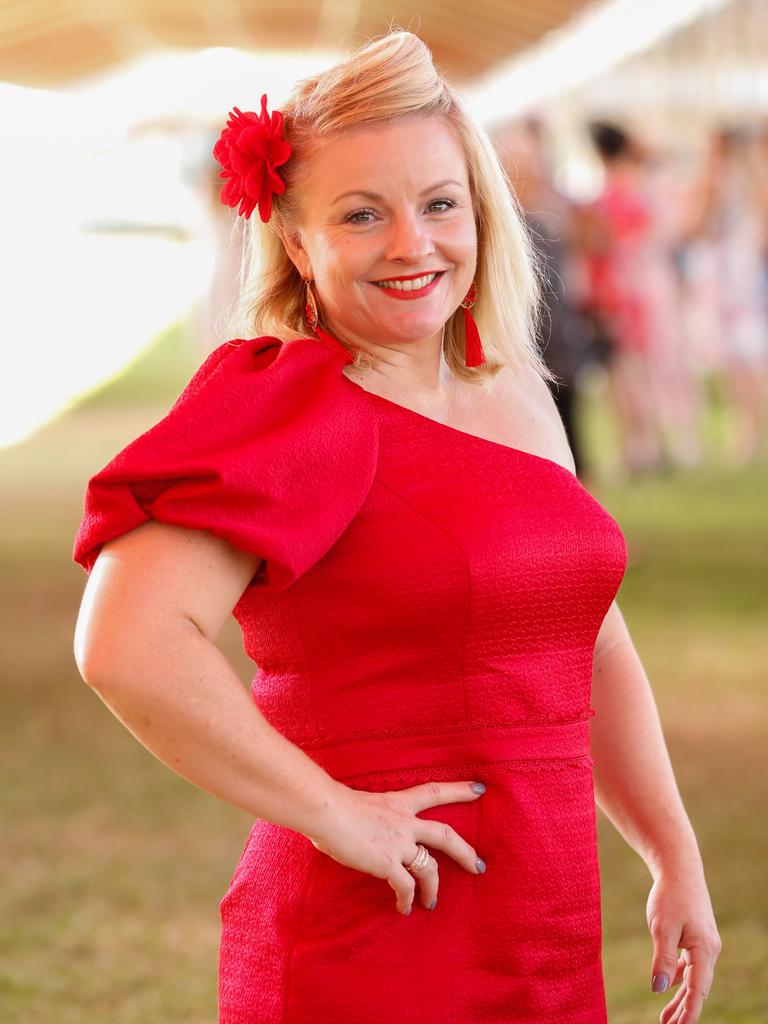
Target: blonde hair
[(390, 77)]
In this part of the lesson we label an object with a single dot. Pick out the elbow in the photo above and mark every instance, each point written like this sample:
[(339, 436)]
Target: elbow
[(105, 645), (118, 642), (98, 653), (93, 636), (83, 653), (109, 654), (87, 667), (91, 663), (118, 657)]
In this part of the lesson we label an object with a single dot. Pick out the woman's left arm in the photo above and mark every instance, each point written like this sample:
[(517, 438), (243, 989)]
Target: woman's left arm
[(635, 787)]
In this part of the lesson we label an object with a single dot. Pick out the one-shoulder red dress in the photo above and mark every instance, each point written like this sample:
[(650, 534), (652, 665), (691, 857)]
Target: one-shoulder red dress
[(427, 610)]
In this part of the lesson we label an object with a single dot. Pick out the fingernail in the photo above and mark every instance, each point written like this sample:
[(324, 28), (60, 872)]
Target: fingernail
[(408, 910), (660, 983), (480, 865), (433, 904), (478, 787)]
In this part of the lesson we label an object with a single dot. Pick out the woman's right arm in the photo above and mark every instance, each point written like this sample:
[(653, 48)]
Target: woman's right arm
[(155, 601)]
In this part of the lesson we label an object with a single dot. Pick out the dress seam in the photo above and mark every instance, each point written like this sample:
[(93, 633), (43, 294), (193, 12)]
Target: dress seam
[(373, 735), (526, 765)]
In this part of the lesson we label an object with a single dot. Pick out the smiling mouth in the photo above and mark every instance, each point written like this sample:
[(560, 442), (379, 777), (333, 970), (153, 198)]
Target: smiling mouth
[(409, 284)]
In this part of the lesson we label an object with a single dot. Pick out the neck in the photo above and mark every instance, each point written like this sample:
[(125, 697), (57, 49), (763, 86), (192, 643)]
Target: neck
[(417, 369)]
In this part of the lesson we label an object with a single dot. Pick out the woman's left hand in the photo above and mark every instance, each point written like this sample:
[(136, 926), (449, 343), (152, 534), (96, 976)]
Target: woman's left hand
[(680, 916)]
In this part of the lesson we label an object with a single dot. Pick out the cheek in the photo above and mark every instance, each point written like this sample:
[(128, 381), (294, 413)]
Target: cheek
[(344, 273), (332, 260), (461, 235), (350, 258)]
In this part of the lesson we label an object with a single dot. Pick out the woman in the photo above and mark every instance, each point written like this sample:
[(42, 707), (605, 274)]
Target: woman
[(620, 258), (389, 509)]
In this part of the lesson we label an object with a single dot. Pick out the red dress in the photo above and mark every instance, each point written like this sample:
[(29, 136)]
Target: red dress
[(428, 610)]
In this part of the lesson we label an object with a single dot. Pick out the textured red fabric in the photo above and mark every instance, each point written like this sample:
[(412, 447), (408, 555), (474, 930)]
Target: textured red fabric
[(257, 450), (429, 611)]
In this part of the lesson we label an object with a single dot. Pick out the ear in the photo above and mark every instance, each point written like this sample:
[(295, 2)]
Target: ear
[(297, 253)]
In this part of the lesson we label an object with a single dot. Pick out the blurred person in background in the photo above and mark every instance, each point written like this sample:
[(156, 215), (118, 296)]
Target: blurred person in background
[(562, 333), (725, 263), (677, 383), (615, 232)]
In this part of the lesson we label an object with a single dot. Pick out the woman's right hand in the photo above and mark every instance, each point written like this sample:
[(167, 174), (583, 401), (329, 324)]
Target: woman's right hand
[(378, 833)]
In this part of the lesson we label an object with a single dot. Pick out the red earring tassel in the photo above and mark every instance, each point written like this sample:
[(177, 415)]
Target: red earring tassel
[(473, 346), (329, 339)]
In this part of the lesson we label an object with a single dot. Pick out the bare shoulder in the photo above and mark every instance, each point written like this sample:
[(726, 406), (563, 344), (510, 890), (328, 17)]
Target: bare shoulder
[(530, 392)]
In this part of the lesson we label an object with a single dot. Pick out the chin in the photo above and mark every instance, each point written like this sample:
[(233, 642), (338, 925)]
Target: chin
[(408, 334)]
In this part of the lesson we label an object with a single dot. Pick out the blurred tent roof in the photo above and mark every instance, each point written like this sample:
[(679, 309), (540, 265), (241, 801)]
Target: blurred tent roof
[(53, 43)]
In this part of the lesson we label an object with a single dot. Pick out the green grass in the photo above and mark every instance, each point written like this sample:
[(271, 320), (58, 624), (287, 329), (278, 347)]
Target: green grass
[(113, 866)]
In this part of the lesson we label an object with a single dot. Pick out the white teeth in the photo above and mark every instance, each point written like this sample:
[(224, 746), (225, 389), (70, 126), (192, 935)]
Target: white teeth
[(408, 286)]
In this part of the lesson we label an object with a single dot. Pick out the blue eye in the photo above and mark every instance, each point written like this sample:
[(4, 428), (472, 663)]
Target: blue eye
[(357, 213), (450, 202), (351, 218)]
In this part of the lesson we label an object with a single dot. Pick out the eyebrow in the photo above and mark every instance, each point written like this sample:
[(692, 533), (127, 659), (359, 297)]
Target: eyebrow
[(378, 196)]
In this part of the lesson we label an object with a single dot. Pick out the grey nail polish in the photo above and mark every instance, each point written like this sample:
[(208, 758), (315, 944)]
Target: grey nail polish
[(478, 787), (660, 983), (433, 904), (481, 865)]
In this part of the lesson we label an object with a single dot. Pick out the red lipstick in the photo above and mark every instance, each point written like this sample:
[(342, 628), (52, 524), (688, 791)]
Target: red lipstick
[(411, 277), (415, 293)]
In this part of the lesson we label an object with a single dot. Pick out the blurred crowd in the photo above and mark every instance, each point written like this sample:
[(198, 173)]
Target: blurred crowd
[(660, 281)]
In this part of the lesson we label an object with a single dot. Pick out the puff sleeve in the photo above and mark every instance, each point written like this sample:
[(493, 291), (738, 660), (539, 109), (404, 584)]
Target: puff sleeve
[(269, 446)]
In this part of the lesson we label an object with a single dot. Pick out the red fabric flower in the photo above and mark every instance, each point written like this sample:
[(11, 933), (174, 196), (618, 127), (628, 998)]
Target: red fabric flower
[(249, 149)]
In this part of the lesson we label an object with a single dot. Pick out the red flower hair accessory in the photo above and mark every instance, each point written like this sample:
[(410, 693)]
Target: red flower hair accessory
[(250, 149)]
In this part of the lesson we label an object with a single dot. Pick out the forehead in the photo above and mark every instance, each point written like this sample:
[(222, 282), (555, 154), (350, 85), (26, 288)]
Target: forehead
[(408, 153)]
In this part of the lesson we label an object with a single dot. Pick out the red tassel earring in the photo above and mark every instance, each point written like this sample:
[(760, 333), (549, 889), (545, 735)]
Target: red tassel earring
[(473, 347), (312, 320)]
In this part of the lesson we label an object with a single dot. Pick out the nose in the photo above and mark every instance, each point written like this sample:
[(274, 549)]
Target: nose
[(409, 240)]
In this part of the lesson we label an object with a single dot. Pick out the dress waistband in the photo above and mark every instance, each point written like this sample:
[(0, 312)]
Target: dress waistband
[(538, 741)]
